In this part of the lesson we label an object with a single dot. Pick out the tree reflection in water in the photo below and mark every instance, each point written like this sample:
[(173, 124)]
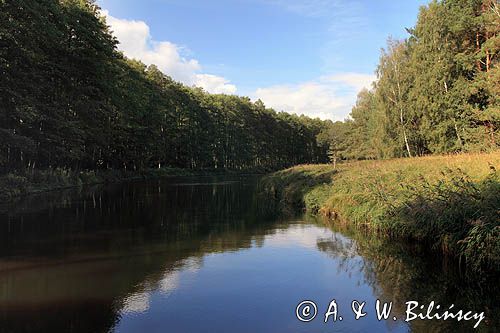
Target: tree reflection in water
[(82, 260), (400, 272)]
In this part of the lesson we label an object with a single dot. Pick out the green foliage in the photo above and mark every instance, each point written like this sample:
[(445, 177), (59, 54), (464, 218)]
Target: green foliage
[(437, 91), (70, 100), (456, 213), (289, 187), (450, 203)]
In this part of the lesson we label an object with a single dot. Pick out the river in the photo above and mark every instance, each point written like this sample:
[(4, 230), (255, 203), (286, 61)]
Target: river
[(206, 254)]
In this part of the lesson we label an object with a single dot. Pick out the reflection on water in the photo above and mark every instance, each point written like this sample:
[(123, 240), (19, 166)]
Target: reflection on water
[(202, 255)]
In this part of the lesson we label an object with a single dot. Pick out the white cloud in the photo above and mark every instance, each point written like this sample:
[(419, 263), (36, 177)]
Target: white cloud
[(215, 84), (330, 97), (136, 42), (355, 81)]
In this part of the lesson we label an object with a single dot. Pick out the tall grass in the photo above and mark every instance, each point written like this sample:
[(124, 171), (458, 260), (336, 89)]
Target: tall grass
[(451, 203)]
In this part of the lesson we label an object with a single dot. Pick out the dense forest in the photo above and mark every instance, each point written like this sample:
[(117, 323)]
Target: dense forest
[(69, 99), (437, 91)]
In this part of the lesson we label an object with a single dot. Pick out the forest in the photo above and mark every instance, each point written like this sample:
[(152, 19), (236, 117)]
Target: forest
[(437, 92), (69, 99)]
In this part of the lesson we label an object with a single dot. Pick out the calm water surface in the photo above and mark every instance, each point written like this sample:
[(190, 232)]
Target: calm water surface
[(205, 255)]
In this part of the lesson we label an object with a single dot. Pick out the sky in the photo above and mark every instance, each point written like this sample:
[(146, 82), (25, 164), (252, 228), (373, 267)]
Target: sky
[(307, 57)]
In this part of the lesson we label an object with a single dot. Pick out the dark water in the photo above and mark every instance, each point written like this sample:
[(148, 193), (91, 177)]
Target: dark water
[(204, 255)]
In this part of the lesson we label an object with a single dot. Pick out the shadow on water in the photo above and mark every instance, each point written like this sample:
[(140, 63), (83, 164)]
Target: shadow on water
[(85, 260), (68, 259), (399, 272)]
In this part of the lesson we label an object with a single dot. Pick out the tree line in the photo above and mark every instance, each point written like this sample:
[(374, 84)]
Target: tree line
[(437, 91), (69, 99)]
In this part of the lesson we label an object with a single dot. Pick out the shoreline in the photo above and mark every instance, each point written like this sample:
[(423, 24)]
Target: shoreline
[(18, 185), (448, 203)]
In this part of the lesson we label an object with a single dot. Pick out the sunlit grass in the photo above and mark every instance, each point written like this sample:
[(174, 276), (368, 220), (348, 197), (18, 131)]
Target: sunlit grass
[(450, 202)]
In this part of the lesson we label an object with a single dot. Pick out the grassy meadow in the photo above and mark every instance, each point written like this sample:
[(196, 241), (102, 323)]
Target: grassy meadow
[(451, 203)]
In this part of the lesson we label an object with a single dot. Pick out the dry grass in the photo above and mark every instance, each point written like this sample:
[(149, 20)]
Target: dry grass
[(451, 202)]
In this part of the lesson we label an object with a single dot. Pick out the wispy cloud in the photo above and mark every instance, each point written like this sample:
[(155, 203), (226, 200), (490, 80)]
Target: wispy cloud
[(343, 18), (315, 8), (331, 96), (136, 42)]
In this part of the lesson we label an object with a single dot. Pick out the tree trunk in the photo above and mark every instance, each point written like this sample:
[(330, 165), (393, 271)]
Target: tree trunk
[(404, 132), (478, 49), (488, 61), (454, 120)]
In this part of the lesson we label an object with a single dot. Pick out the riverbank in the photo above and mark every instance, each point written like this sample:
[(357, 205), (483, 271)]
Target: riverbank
[(450, 203), (28, 182)]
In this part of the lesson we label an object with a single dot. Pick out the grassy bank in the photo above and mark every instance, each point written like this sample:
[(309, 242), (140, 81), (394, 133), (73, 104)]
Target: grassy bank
[(17, 184), (451, 203)]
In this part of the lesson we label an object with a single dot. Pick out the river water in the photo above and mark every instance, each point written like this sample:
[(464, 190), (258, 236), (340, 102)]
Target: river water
[(206, 254)]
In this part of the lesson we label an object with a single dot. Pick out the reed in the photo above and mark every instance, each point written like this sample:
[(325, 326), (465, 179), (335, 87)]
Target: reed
[(451, 203)]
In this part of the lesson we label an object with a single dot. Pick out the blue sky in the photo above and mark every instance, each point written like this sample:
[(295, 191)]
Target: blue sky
[(301, 56)]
